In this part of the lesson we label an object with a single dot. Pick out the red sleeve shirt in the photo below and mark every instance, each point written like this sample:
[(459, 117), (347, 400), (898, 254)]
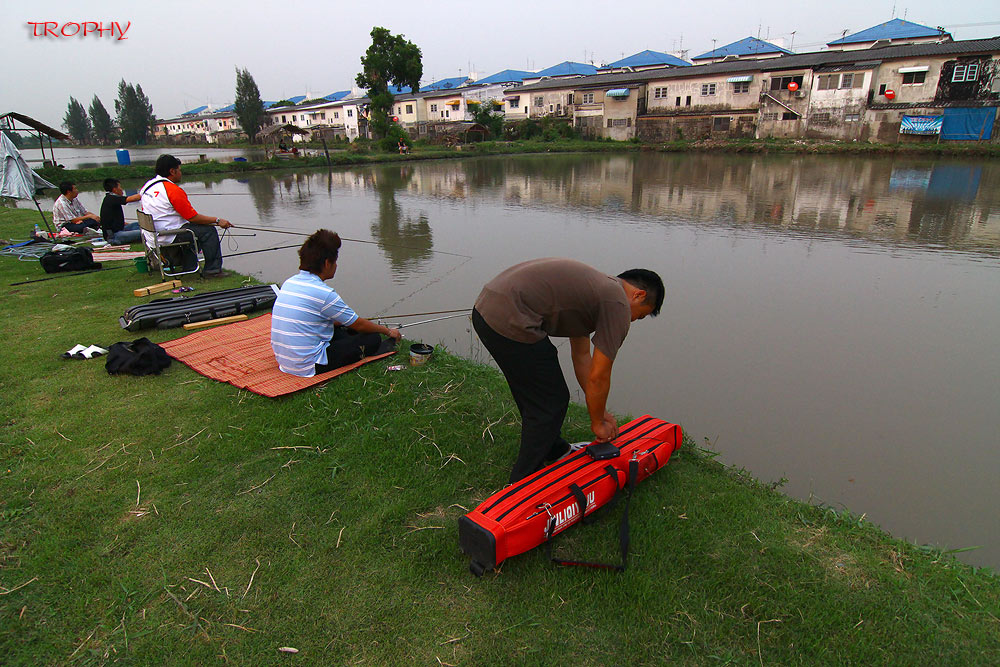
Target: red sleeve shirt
[(179, 200)]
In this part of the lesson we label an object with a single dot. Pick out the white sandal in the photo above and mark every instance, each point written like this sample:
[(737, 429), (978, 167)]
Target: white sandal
[(73, 351), (91, 352)]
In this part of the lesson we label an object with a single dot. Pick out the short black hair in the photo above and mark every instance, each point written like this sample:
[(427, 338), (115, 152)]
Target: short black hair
[(110, 183), (165, 163), (647, 280), (66, 186), (321, 246)]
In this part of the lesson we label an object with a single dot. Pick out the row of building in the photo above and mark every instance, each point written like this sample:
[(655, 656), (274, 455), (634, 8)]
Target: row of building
[(897, 81)]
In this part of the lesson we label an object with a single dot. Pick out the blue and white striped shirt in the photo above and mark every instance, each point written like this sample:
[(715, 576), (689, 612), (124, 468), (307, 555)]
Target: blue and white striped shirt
[(302, 320)]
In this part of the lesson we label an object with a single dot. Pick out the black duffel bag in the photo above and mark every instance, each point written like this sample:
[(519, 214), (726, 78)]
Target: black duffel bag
[(140, 357), (71, 259)]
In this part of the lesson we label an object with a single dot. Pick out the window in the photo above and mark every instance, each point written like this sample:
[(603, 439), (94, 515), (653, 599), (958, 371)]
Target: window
[(293, 119), (558, 108), (687, 102), (569, 99), (741, 87), (350, 113), (588, 98), (914, 78), (852, 117), (610, 122), (965, 73), (708, 89), (769, 116), (820, 117), (881, 89), (434, 108), (781, 82), (826, 81), (539, 102), (409, 108), (550, 108), (847, 81), (282, 119), (659, 93), (619, 122), (678, 101), (323, 115), (721, 124), (336, 115), (789, 115)]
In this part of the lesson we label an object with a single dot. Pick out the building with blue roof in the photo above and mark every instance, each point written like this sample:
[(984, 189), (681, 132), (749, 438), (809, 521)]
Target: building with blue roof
[(446, 84), (195, 111), (894, 32), (566, 68), (644, 60), (748, 47), (506, 76), (337, 96)]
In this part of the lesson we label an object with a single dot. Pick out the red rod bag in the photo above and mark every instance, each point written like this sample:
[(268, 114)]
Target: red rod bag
[(517, 518)]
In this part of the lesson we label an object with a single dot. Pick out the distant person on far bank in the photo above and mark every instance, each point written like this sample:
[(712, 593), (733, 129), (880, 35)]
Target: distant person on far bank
[(170, 209), (69, 213), (113, 215), (519, 310)]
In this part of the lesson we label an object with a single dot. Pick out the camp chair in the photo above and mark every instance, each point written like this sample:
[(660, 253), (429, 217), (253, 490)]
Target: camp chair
[(166, 255)]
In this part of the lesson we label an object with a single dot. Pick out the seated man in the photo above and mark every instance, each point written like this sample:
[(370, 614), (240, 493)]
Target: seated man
[(113, 217), (170, 209), (312, 329), (68, 212)]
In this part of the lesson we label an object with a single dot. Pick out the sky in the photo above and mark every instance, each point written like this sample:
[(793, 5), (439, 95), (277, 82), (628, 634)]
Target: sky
[(184, 53)]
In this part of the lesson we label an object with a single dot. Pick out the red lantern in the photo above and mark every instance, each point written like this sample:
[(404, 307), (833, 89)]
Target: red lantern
[(890, 93), (793, 86)]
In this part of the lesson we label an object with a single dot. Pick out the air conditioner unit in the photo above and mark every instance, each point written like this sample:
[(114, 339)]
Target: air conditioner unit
[(800, 93)]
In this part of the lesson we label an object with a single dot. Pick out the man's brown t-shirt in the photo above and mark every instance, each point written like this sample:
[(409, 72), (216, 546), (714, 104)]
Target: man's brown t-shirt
[(557, 297)]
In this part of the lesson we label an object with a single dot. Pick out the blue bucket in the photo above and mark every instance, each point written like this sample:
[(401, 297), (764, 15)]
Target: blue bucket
[(123, 157)]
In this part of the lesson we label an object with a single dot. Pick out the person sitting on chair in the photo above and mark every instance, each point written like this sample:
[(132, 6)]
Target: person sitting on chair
[(170, 209), (113, 216), (69, 213), (312, 329)]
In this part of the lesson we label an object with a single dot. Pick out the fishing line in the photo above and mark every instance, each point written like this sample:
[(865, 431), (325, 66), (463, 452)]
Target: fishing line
[(436, 319), (69, 275), (429, 312), (344, 238), (250, 252), (421, 289)]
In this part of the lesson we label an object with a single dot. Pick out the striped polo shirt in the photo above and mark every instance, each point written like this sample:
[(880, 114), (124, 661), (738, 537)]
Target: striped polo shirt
[(302, 320)]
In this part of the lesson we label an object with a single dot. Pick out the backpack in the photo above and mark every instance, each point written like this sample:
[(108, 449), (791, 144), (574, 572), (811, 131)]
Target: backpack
[(71, 259), (140, 357)]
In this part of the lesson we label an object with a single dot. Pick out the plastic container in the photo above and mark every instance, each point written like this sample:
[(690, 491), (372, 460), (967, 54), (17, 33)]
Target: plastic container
[(141, 265), (124, 159), (420, 354), (239, 159)]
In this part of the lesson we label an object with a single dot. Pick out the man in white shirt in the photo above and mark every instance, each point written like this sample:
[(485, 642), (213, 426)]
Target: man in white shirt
[(69, 213)]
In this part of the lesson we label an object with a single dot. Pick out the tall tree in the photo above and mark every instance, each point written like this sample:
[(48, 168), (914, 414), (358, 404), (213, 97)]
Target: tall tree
[(102, 127), (249, 107), (391, 60), (135, 114), (15, 138), (76, 122)]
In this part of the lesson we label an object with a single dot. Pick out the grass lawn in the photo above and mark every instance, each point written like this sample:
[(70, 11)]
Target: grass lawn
[(173, 519)]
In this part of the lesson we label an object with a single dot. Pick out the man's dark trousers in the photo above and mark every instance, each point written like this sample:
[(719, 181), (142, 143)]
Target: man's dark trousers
[(536, 380), (208, 242)]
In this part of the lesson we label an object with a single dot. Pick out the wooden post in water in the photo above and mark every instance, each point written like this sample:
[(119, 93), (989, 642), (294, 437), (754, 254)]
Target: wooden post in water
[(323, 139)]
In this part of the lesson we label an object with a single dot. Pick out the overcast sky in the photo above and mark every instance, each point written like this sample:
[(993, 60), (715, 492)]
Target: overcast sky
[(184, 52)]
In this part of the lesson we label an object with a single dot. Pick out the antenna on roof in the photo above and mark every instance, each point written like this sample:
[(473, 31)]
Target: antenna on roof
[(792, 45)]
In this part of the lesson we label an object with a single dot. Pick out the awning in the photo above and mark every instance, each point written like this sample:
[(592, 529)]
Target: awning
[(454, 103), (907, 70), (740, 79), (618, 92)]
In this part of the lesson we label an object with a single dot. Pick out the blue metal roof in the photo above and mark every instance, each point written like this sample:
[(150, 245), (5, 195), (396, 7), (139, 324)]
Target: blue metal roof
[(507, 76), (297, 99), (269, 103), (647, 58), (337, 96), (748, 46), (446, 84), (231, 107), (567, 69), (400, 90), (195, 112), (894, 29)]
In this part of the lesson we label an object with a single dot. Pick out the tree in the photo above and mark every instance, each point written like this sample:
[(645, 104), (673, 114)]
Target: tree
[(76, 122), (103, 128), (249, 107), (135, 114), (488, 115), (391, 60), (15, 138)]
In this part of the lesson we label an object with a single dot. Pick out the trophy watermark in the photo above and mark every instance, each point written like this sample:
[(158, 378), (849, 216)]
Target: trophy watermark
[(79, 29)]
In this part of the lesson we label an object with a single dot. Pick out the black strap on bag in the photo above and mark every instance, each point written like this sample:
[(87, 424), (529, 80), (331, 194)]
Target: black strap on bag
[(623, 529)]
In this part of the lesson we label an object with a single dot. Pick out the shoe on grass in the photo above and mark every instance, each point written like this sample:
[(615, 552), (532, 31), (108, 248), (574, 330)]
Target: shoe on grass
[(73, 351)]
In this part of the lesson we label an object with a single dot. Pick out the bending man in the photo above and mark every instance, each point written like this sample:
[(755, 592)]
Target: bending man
[(517, 312), (312, 329), (168, 204)]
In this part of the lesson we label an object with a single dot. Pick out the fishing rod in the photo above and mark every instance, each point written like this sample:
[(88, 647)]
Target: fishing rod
[(429, 312), (68, 275), (250, 252), (344, 238), (436, 319)]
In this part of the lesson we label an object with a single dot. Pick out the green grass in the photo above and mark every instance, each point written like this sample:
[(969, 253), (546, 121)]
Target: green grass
[(174, 519)]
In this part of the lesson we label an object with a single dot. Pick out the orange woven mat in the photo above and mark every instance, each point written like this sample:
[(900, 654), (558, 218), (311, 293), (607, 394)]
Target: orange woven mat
[(240, 354)]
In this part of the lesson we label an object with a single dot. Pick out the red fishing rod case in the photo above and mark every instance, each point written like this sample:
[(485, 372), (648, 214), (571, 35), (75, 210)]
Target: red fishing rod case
[(534, 510)]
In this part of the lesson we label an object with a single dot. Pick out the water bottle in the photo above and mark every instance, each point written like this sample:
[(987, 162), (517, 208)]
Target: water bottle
[(38, 230)]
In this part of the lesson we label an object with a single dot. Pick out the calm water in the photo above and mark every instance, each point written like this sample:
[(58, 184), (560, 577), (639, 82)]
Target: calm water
[(73, 157), (828, 320)]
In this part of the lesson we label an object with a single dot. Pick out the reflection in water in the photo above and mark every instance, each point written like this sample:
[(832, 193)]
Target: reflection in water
[(405, 240), (261, 190)]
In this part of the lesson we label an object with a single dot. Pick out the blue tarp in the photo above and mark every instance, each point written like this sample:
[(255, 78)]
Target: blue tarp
[(968, 124), (920, 125)]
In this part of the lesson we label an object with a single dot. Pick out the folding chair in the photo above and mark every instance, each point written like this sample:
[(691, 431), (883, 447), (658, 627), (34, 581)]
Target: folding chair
[(166, 255)]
